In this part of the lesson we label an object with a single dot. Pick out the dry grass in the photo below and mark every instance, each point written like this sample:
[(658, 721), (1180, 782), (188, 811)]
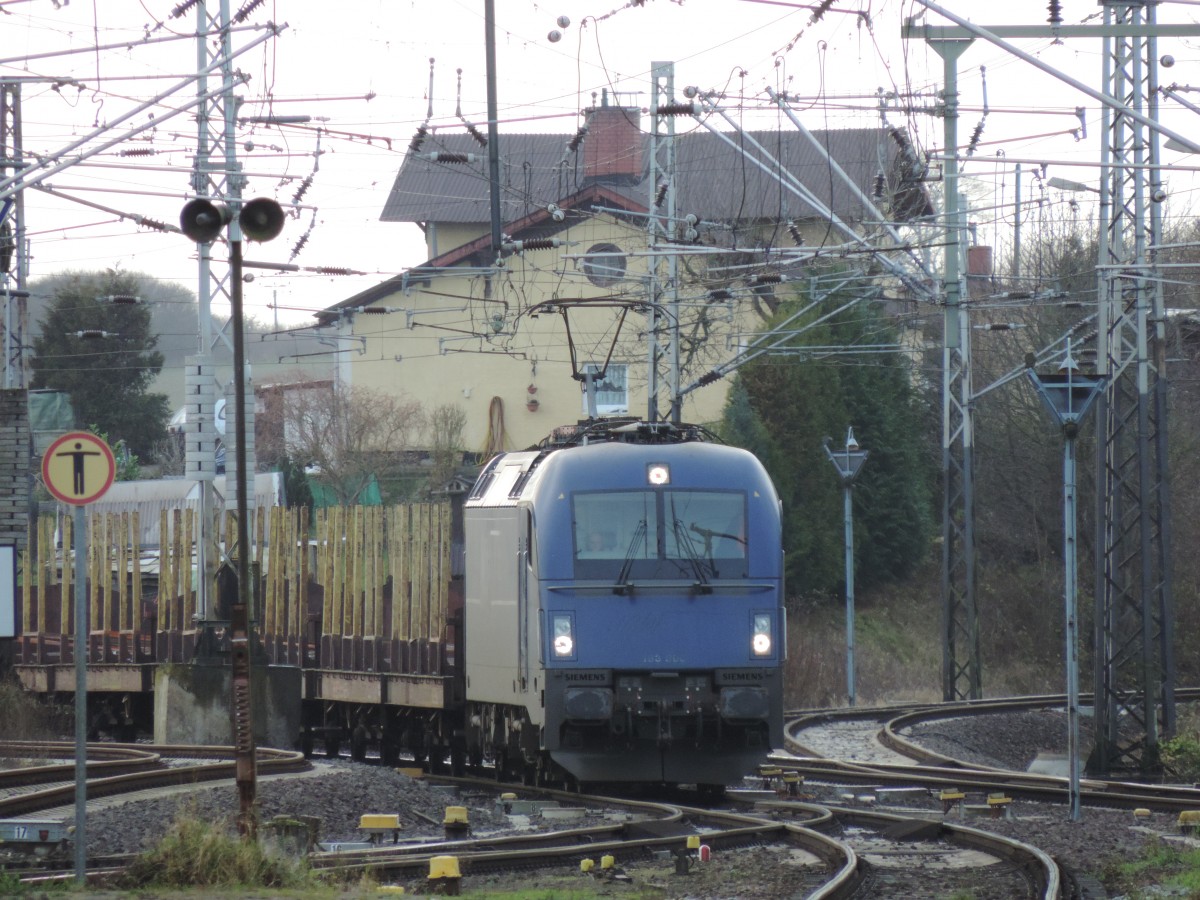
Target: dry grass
[(898, 641), (27, 717), (196, 853)]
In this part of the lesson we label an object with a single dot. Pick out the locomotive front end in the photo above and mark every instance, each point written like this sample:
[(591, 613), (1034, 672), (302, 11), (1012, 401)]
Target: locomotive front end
[(661, 594)]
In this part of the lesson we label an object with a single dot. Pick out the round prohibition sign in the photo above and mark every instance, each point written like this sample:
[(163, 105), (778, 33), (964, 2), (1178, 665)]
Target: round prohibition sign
[(78, 468)]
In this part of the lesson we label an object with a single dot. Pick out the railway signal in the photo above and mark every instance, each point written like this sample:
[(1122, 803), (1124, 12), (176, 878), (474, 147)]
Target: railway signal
[(261, 219)]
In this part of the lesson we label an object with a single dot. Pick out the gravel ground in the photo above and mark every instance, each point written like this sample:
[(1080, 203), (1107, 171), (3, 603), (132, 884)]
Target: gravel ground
[(339, 792), (336, 792)]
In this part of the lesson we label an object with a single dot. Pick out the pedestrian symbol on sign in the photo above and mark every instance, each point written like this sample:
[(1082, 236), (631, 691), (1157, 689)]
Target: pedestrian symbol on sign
[(78, 468), (78, 471)]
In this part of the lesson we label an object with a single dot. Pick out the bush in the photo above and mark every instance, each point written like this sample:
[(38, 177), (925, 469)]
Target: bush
[(196, 853), (1181, 757), (26, 718)]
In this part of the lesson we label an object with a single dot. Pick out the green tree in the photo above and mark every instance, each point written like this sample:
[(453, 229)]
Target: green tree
[(782, 407), (103, 354)]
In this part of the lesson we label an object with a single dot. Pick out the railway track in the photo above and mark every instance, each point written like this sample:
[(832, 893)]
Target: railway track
[(850, 844), (194, 765), (103, 760), (877, 763), (651, 838), (886, 756)]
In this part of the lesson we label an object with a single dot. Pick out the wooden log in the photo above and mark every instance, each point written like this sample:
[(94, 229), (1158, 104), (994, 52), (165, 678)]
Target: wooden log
[(187, 587), (66, 600)]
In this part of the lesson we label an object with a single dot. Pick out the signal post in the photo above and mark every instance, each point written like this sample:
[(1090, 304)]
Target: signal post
[(78, 469)]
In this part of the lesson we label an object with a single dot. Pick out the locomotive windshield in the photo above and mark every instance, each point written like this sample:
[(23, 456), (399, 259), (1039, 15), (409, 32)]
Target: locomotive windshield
[(660, 534)]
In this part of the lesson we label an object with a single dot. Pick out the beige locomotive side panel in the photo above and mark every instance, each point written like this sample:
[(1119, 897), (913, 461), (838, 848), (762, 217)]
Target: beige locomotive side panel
[(493, 583)]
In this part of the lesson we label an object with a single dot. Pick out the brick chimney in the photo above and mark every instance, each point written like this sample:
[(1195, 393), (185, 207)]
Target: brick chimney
[(612, 150)]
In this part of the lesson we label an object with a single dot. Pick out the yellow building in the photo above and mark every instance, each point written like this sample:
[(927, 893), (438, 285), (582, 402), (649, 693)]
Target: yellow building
[(509, 339)]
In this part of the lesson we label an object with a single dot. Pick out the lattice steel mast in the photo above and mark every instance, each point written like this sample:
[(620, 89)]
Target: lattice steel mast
[(661, 225), (1134, 663), (15, 269), (216, 175)]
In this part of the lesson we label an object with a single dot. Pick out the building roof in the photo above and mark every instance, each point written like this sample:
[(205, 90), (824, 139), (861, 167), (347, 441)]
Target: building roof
[(714, 179)]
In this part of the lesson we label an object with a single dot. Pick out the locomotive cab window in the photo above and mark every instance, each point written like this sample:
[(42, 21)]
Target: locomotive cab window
[(666, 534)]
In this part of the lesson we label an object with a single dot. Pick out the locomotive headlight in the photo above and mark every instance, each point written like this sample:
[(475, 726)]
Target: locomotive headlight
[(658, 473), (563, 640), (760, 640)]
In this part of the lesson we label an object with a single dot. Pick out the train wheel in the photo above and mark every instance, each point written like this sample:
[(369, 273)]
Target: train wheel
[(437, 759), (358, 743), (306, 743), (414, 740), (333, 746), (389, 749)]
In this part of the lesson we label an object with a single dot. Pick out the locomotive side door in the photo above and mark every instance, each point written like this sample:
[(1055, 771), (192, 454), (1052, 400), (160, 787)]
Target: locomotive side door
[(492, 592), (524, 562)]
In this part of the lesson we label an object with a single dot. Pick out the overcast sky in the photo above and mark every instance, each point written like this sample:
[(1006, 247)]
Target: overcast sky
[(332, 56)]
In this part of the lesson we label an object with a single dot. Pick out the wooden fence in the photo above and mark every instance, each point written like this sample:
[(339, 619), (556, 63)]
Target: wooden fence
[(361, 588)]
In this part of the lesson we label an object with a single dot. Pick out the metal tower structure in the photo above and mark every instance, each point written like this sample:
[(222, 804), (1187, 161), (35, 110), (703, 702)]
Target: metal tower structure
[(663, 339), (216, 175), (1134, 664), (961, 668), (14, 261)]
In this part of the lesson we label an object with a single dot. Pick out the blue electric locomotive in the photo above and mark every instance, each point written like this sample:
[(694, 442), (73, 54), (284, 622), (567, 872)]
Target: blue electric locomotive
[(624, 613)]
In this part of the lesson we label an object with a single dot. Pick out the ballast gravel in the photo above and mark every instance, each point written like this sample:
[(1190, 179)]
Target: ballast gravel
[(336, 792), (339, 792)]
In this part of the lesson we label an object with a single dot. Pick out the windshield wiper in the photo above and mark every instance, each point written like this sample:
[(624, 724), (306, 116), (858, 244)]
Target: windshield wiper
[(684, 541), (708, 535), (622, 586)]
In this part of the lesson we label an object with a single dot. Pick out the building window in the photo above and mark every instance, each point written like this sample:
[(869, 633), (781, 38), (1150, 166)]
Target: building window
[(612, 391), (604, 264)]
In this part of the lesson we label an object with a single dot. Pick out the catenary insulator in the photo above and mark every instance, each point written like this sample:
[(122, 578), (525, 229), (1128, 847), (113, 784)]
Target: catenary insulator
[(418, 138), (531, 244), (677, 109), (244, 13), (302, 189), (975, 135), (475, 133)]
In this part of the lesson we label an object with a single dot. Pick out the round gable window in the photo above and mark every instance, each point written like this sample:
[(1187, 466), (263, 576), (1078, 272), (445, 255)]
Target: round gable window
[(604, 264)]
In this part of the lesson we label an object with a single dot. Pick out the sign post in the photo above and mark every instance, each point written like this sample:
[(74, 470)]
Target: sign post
[(78, 469)]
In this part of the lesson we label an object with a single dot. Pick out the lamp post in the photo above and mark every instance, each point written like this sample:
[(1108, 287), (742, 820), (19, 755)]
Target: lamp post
[(1068, 395), (848, 462)]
